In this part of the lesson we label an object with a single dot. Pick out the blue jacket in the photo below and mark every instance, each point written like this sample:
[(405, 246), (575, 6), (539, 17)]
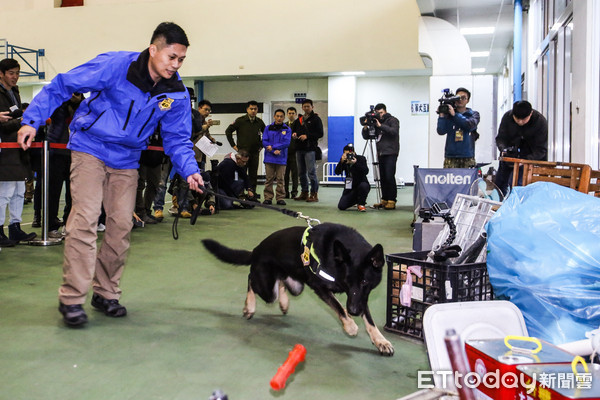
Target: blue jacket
[(467, 123), (122, 111), (278, 137)]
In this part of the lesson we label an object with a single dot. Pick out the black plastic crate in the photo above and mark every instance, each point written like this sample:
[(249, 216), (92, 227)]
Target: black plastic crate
[(440, 283)]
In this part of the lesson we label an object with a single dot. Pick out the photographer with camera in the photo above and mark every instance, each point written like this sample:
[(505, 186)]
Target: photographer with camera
[(14, 163), (523, 133), (459, 124), (384, 128), (356, 184)]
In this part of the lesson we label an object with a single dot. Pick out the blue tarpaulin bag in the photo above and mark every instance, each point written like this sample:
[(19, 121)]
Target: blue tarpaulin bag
[(544, 256)]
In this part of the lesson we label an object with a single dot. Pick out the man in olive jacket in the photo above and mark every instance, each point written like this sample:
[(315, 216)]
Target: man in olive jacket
[(249, 130)]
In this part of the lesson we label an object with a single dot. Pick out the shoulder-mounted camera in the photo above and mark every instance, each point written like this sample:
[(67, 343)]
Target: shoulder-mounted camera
[(447, 100)]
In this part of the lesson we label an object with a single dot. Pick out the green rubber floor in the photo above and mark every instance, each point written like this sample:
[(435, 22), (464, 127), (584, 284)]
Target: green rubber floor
[(185, 335)]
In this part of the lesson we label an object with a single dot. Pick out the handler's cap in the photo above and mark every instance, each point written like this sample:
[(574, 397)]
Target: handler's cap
[(349, 147)]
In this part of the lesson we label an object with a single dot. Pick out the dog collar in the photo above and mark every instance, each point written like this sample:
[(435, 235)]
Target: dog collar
[(310, 259)]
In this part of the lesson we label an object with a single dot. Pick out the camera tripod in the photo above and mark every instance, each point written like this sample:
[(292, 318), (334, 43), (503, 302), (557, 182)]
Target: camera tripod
[(375, 163)]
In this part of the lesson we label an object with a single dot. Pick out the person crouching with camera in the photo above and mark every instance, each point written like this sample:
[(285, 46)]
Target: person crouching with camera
[(356, 184)]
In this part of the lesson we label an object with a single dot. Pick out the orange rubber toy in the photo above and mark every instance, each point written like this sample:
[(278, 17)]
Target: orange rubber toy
[(296, 356)]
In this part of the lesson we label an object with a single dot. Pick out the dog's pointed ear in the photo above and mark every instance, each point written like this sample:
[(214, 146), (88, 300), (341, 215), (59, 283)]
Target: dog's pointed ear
[(340, 253), (376, 257)]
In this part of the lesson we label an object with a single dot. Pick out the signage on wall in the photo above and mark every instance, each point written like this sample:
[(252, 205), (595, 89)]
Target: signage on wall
[(419, 108)]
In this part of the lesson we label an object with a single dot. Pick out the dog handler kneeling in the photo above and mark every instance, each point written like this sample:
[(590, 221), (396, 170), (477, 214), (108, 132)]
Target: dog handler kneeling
[(130, 94)]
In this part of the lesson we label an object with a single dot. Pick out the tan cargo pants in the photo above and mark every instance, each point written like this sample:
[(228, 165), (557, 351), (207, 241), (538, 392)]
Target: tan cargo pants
[(93, 184)]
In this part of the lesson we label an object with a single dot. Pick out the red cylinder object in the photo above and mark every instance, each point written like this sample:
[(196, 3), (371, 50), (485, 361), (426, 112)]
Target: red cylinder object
[(296, 356)]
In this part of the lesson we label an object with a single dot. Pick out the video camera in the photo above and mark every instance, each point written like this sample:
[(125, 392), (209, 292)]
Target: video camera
[(511, 151), (447, 100), (15, 112), (368, 123)]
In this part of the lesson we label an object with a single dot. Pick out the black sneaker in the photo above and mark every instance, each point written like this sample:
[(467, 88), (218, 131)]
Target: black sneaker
[(111, 308), (281, 202), (73, 315), (267, 202)]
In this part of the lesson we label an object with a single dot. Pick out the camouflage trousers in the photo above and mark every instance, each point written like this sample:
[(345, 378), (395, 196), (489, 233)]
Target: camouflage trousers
[(460, 162)]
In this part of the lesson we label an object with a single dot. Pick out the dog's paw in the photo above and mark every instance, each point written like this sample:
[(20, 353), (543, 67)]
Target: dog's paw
[(350, 326), (385, 347), (248, 314)]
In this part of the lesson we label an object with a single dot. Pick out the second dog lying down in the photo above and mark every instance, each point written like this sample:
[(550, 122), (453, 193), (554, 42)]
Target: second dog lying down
[(329, 258)]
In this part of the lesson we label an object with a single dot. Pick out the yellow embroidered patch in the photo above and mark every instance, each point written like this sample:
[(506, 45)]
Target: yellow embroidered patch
[(305, 256), (165, 104)]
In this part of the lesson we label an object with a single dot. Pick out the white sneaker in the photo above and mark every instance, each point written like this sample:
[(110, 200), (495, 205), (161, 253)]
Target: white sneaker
[(101, 228)]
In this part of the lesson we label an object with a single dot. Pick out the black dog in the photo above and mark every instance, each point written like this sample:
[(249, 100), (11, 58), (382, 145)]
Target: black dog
[(329, 258)]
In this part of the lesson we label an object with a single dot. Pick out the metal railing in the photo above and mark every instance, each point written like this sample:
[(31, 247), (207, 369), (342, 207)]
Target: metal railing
[(28, 58)]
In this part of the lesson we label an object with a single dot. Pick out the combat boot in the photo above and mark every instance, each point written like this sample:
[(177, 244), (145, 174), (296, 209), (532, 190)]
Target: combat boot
[(16, 233), (303, 196), (313, 198), (5, 241), (390, 205), (380, 204)]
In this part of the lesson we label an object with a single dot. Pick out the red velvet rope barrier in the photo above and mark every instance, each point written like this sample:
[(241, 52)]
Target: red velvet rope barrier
[(39, 145)]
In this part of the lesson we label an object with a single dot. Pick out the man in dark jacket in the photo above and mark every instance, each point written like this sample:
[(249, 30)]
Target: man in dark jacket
[(249, 130), (356, 184), (308, 129), (14, 163), (523, 133), (387, 136), (231, 178), (130, 94), (60, 163)]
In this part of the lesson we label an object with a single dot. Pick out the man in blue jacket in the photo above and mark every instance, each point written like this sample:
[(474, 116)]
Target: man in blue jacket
[(460, 127), (130, 94), (276, 140)]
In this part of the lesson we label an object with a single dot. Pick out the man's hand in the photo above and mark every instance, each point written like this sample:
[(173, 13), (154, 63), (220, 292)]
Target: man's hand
[(25, 136), (235, 148), (269, 148), (303, 137), (4, 116), (277, 152), (194, 181), (451, 111)]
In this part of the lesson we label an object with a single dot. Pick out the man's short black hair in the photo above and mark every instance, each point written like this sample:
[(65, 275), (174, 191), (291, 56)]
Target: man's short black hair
[(242, 153), (8, 63), (462, 89), (521, 109), (203, 103), (292, 108), (380, 106), (349, 147), (252, 103), (279, 110), (171, 32), (309, 101)]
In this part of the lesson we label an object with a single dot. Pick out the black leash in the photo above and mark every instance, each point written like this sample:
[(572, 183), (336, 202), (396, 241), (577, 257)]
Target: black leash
[(250, 204)]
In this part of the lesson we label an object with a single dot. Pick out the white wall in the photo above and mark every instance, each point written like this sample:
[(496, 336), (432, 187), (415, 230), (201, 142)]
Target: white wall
[(228, 38)]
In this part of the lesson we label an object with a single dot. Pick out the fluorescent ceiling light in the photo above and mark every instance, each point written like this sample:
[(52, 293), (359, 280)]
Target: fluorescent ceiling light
[(478, 70), (352, 73), (484, 30), (480, 54)]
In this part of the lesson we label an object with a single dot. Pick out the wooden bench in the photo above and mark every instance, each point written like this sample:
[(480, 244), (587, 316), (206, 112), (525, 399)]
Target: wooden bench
[(572, 175)]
